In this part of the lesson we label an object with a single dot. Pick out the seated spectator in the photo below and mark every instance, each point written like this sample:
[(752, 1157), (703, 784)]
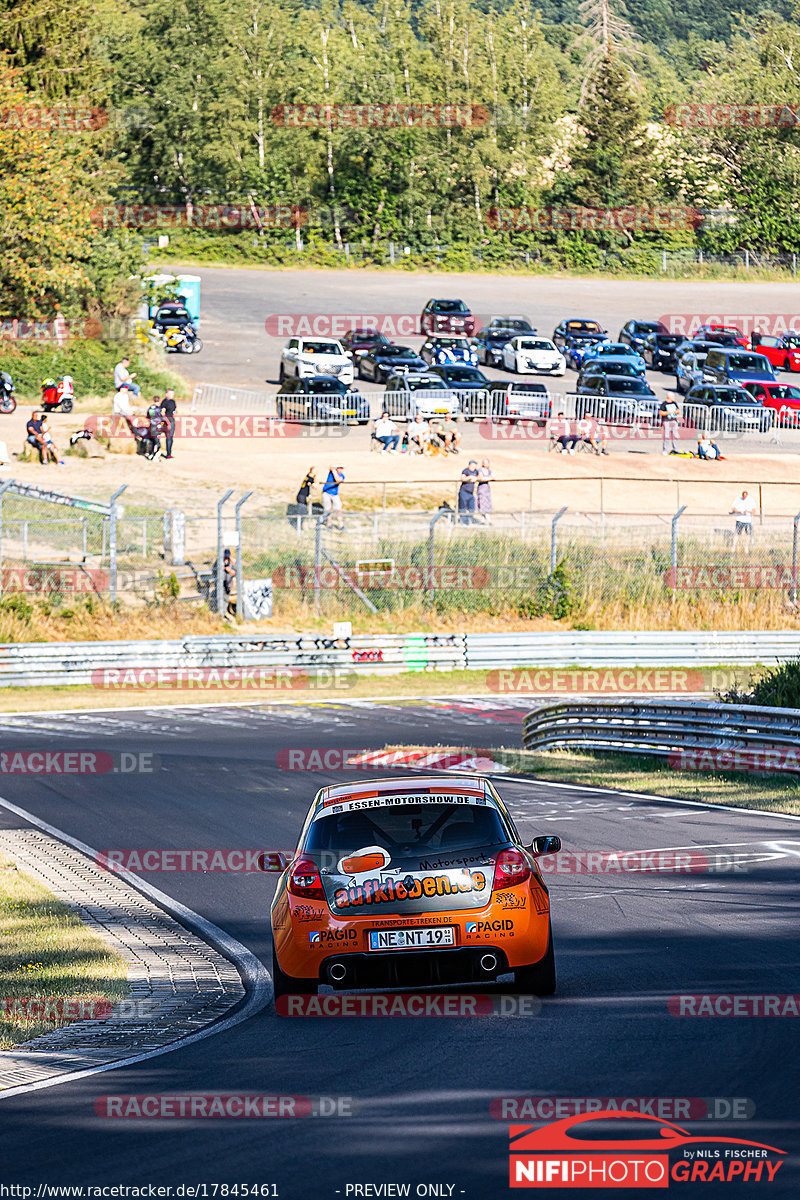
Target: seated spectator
[(452, 436), (34, 436), (437, 435), (123, 377), (419, 435), (706, 448), (385, 431), (563, 434), (121, 407), (594, 433), (49, 447)]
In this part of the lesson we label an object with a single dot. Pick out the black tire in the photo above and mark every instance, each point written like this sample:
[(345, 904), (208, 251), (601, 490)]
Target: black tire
[(540, 978), (66, 406), (287, 985), (359, 373), (678, 387), (7, 404), (196, 346), (281, 374)]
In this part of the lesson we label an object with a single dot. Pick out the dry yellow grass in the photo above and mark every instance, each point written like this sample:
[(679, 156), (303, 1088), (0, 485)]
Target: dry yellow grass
[(47, 952)]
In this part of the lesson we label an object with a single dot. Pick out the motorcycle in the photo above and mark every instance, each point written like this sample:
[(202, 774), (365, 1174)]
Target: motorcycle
[(8, 401), (182, 338), (58, 395)]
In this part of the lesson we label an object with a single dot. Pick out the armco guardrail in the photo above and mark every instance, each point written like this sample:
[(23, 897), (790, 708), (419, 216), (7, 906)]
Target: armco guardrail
[(660, 727), (31, 664), (626, 648)]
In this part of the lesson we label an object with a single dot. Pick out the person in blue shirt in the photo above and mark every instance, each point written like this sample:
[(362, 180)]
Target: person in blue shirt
[(331, 500)]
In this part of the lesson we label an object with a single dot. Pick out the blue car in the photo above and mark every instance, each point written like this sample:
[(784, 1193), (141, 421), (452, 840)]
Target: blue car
[(724, 365), (441, 351), (616, 352), (578, 351)]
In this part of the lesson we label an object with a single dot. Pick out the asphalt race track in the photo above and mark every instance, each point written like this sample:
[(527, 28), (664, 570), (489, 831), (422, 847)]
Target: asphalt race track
[(422, 1086)]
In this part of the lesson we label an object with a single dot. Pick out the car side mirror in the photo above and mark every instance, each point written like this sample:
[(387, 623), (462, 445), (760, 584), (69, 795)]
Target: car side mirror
[(546, 844)]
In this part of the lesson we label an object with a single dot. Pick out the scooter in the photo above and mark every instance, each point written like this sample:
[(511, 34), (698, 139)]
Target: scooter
[(8, 401), (182, 338), (58, 395)]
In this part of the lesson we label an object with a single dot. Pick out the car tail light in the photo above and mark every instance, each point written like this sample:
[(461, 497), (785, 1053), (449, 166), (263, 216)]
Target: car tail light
[(304, 880), (511, 868)]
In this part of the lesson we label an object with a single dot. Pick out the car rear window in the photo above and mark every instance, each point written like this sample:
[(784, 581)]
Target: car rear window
[(408, 829), (747, 362)]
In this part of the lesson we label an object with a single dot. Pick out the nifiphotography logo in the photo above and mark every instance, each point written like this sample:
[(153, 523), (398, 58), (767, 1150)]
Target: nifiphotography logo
[(582, 1152)]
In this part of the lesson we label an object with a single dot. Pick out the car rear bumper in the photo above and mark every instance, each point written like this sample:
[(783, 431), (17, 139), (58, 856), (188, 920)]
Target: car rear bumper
[(428, 968)]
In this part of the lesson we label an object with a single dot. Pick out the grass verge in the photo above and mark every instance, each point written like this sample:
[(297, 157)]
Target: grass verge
[(47, 953), (640, 773)]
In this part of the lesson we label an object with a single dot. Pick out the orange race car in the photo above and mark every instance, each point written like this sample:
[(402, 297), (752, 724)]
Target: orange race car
[(412, 883)]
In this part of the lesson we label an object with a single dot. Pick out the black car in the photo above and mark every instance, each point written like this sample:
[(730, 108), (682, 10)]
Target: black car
[(469, 384), (358, 341), (322, 400), (384, 360), (730, 406), (596, 367), (577, 330), (659, 350), (636, 333), (617, 398), (489, 344)]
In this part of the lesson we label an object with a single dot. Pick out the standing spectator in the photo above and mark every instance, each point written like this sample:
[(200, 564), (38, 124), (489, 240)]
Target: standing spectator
[(466, 493), (331, 500), (168, 413), (743, 511), (386, 432), (451, 434), (305, 491), (34, 436), (484, 494), (562, 434), (123, 378), (419, 434), (669, 414)]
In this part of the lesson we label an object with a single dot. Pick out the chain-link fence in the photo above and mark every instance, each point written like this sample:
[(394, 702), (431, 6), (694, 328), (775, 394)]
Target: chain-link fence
[(540, 562)]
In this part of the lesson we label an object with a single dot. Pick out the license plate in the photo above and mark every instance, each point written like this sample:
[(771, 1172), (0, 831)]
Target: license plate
[(411, 939), (350, 412), (440, 411)]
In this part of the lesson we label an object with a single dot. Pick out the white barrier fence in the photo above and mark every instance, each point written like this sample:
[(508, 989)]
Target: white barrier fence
[(636, 413), (117, 666)]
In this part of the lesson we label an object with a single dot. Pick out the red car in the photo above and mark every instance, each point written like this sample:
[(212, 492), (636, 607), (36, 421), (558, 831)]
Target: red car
[(723, 334), (448, 317), (780, 396), (782, 352)]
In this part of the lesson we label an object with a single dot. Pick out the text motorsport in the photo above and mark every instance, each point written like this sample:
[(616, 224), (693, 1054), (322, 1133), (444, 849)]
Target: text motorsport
[(268, 679), (553, 1157)]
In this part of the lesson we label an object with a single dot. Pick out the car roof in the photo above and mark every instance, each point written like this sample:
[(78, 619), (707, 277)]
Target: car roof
[(426, 785)]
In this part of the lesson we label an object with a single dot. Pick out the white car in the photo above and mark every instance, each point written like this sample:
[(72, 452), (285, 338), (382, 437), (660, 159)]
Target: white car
[(533, 355), (302, 357)]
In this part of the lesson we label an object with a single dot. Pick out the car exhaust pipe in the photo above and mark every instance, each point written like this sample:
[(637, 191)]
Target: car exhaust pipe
[(488, 963), (337, 971)]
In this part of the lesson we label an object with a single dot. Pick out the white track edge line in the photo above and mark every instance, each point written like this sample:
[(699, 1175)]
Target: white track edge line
[(255, 976)]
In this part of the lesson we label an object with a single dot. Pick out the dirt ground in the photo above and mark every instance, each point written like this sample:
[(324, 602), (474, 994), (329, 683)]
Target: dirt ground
[(239, 351), (631, 480)]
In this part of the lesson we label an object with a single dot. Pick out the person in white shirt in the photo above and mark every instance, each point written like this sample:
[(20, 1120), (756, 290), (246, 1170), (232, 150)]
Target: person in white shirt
[(419, 433), (706, 448), (562, 434), (386, 432), (123, 378), (743, 511)]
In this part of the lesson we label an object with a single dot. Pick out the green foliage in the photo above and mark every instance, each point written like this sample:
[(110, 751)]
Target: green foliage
[(777, 688), (90, 363)]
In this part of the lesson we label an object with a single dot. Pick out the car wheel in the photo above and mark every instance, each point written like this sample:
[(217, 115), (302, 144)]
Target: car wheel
[(281, 374), (540, 978), (287, 985)]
